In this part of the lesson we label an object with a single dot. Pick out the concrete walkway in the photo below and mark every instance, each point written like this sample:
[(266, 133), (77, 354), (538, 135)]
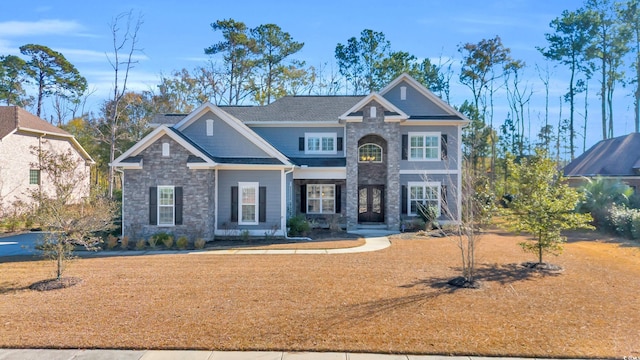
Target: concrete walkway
[(36, 354)]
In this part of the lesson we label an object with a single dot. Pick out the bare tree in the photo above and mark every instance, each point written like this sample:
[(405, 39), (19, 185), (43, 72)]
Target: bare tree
[(125, 46)]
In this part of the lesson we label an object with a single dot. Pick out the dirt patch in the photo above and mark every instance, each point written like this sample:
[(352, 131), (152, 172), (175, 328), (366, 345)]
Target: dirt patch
[(391, 301)]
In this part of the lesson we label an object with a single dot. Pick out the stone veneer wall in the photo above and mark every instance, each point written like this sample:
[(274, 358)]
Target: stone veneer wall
[(391, 133), (198, 193)]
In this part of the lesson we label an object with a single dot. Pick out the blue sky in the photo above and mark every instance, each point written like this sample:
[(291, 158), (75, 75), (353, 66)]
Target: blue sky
[(174, 35)]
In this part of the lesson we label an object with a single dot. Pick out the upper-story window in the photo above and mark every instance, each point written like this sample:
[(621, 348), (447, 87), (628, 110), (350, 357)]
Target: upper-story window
[(424, 146), (320, 143), (370, 153)]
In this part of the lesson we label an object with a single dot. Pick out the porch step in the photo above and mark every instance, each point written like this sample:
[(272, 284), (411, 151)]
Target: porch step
[(372, 227)]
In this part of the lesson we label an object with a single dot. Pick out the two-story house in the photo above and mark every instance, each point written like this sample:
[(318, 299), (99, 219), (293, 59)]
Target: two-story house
[(356, 160), (22, 136)]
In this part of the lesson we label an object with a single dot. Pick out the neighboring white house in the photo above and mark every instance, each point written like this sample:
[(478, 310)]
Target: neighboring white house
[(21, 134)]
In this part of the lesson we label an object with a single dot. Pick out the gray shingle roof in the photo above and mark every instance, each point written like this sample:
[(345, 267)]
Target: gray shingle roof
[(320, 162), (618, 156), (296, 108)]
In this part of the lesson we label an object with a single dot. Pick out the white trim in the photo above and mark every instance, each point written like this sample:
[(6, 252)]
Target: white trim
[(173, 205), (425, 92), (429, 172), (320, 173), (307, 124), (250, 167), (320, 137), (424, 184), (459, 166), (424, 134), (443, 122), (321, 199), (152, 137), (256, 187), (380, 100), (215, 201), (236, 124), (70, 137)]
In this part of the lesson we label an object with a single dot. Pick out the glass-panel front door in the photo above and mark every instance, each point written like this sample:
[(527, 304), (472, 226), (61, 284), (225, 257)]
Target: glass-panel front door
[(371, 203)]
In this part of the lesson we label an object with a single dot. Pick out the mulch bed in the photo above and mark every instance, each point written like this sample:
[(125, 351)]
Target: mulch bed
[(396, 300), (55, 284)]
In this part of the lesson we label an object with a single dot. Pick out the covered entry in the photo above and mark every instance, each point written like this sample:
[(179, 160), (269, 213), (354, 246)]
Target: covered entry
[(370, 203), (372, 176)]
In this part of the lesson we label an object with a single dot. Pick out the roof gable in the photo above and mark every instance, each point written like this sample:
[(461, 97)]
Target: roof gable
[(130, 157), (355, 112), (429, 107), (15, 118), (234, 124)]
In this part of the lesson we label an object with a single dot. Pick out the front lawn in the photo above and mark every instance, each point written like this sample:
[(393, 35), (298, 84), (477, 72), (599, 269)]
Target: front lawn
[(390, 301)]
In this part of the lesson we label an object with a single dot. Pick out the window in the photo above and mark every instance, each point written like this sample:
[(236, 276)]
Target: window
[(209, 127), (427, 193), (370, 153), (424, 146), (165, 149), (321, 199), (34, 177), (248, 201), (166, 206), (320, 143)]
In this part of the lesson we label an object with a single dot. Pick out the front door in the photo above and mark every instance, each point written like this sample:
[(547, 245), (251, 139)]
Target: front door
[(370, 203)]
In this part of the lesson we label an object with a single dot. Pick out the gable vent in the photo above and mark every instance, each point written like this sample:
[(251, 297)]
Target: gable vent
[(373, 111), (403, 93)]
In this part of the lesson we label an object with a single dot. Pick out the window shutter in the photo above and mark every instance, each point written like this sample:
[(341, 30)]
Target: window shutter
[(262, 199), (303, 199), (403, 200), (178, 204), (443, 147), (339, 145), (301, 144), (234, 204), (153, 205), (405, 147), (338, 199), (444, 210)]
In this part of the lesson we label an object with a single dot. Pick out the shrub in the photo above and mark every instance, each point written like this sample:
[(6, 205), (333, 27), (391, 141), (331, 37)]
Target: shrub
[(620, 220), (298, 226), (112, 242), (153, 242), (635, 225), (428, 214), (199, 243), (141, 244), (182, 242), (124, 243), (168, 241), (245, 235)]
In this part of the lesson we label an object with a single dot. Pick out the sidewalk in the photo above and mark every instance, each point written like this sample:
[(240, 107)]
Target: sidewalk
[(28, 354)]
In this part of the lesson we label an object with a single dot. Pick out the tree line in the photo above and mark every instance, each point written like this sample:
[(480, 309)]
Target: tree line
[(598, 43)]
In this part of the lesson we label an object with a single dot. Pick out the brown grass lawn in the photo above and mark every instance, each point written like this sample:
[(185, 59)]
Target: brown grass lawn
[(390, 301)]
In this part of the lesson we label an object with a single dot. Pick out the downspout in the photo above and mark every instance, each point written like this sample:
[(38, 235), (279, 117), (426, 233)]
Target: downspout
[(286, 233)]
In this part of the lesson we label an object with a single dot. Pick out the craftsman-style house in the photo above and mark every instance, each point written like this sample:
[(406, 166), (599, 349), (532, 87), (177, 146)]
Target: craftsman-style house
[(353, 160)]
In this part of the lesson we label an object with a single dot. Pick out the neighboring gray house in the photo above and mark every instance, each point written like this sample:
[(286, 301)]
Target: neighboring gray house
[(356, 161), (616, 158), (21, 134)]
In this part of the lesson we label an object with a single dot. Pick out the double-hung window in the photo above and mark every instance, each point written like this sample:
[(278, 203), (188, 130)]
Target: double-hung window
[(426, 193), (424, 146), (166, 206), (248, 203), (320, 143), (321, 199)]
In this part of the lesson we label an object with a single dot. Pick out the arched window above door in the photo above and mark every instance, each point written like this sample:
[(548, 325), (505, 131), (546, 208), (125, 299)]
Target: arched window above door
[(370, 153)]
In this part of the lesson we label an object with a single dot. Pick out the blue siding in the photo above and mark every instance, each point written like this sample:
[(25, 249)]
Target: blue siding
[(225, 142), (268, 178), (285, 139), (453, 147), (415, 103)]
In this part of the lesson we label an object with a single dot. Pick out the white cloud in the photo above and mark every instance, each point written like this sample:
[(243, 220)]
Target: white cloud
[(40, 27), (81, 55)]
